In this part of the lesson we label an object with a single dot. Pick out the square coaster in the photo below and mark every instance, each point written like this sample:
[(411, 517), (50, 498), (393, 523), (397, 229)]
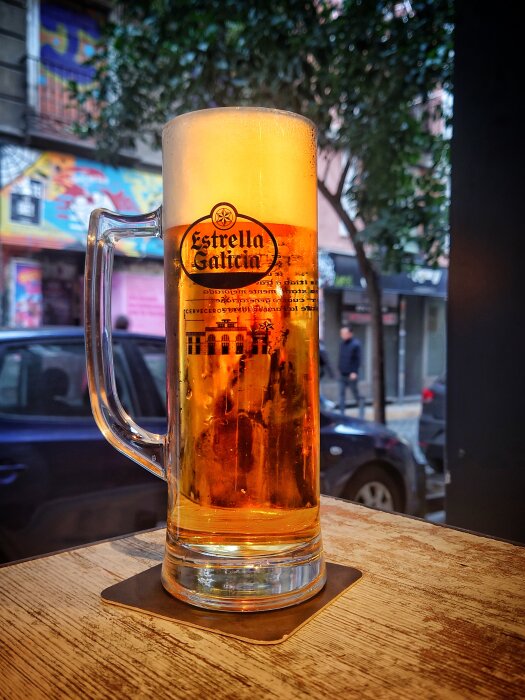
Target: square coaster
[(145, 593)]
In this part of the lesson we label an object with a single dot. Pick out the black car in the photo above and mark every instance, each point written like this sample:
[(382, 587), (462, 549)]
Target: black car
[(62, 484), (370, 464), (432, 423)]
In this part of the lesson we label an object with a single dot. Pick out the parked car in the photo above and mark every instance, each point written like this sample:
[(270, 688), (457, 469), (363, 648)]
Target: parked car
[(432, 423), (62, 484), (368, 463)]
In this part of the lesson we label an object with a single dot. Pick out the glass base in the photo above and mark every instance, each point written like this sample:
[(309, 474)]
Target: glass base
[(220, 581)]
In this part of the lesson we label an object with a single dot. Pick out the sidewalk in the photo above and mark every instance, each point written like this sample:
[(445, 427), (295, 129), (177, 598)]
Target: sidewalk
[(402, 416), (395, 411)]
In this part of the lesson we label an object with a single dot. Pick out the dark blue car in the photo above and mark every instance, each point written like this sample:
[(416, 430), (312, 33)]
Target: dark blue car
[(62, 484)]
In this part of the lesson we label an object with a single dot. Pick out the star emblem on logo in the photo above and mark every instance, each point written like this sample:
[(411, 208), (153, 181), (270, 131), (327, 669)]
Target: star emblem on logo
[(224, 215)]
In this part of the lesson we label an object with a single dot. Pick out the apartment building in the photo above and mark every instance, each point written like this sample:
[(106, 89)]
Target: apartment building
[(51, 180)]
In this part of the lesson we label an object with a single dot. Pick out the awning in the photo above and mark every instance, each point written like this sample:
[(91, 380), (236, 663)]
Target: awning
[(339, 271), (46, 199)]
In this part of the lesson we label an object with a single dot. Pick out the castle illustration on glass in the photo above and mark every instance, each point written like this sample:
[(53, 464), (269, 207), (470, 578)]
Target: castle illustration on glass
[(228, 338)]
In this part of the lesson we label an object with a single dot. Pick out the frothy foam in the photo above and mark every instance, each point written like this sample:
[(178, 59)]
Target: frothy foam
[(263, 161)]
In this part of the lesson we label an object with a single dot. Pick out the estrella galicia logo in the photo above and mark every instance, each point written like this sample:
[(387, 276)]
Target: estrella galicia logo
[(227, 250)]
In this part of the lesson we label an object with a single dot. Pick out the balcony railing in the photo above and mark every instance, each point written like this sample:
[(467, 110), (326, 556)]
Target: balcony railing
[(52, 110)]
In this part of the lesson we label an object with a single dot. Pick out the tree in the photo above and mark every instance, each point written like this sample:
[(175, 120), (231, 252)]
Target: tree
[(370, 73)]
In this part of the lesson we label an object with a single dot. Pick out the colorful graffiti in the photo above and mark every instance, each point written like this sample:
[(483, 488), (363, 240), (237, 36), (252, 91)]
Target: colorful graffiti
[(67, 40), (70, 188)]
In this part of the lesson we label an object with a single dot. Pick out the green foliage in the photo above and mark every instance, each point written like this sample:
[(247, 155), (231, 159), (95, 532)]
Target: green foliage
[(369, 73)]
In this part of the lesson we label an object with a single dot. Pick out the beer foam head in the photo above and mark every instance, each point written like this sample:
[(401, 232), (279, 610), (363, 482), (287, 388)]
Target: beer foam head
[(262, 161)]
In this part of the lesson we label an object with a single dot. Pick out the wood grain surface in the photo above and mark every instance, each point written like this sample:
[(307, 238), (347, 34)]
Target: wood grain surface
[(439, 614)]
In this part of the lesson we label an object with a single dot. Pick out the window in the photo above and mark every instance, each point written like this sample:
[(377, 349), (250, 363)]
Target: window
[(260, 344), (154, 357), (239, 344), (436, 327), (49, 379), (193, 344), (225, 344), (211, 344), (10, 379)]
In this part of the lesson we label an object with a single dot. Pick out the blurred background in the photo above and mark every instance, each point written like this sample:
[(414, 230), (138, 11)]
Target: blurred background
[(84, 91)]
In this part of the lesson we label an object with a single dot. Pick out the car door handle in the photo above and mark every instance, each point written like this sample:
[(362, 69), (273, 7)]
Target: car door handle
[(9, 473), (335, 450)]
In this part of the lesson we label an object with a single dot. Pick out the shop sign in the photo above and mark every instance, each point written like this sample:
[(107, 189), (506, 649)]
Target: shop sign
[(344, 281), (424, 281), (424, 275), (360, 314)]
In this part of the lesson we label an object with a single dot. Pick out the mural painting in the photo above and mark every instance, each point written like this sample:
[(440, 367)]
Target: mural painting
[(47, 198)]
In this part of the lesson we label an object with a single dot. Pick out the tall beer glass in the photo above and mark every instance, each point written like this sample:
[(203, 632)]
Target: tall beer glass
[(241, 453)]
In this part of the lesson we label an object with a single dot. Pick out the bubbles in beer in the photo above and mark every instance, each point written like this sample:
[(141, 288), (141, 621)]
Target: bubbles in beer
[(245, 364), (250, 408)]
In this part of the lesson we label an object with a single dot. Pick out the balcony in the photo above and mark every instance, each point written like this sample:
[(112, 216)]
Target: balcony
[(51, 112)]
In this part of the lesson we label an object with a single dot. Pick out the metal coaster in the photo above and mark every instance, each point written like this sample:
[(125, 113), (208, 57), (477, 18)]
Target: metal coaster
[(144, 593)]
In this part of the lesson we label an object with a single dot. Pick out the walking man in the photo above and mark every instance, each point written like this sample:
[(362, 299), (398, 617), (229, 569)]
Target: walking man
[(349, 364)]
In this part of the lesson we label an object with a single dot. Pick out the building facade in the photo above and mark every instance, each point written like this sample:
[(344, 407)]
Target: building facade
[(414, 322), (50, 181), (414, 309), (228, 338)]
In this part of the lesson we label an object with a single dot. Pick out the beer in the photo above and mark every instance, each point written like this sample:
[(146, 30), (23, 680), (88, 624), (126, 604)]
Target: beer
[(241, 453), (247, 368), (243, 306)]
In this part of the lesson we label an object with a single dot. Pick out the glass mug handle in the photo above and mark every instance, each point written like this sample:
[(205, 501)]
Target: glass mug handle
[(105, 229)]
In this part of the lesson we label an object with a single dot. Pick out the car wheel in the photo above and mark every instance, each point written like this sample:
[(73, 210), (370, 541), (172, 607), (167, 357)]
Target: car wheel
[(374, 487)]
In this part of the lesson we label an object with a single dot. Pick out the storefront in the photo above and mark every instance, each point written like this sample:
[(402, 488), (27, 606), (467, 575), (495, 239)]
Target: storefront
[(414, 321), (45, 202)]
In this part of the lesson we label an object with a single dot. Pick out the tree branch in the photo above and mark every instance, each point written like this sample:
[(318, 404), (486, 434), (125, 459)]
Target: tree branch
[(374, 295), (341, 185), (335, 201), (328, 162)]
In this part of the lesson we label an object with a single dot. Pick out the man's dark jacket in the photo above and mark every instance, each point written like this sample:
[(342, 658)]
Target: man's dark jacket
[(349, 356)]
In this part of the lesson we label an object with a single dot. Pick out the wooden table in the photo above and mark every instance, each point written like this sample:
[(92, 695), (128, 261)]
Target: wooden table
[(439, 613)]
